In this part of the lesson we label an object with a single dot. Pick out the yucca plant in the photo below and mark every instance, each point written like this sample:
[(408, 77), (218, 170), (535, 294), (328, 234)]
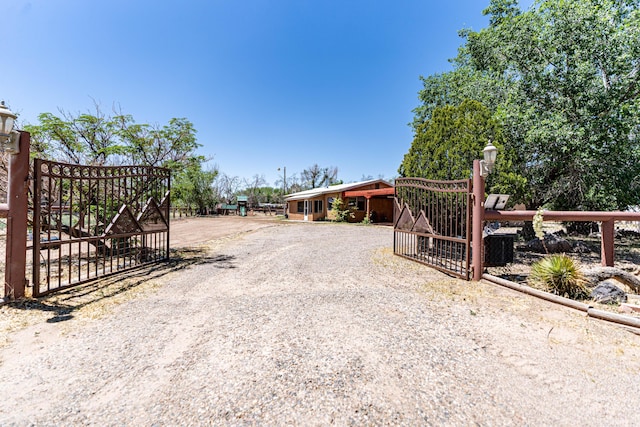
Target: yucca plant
[(560, 275)]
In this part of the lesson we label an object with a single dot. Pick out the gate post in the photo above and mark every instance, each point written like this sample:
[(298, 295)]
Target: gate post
[(607, 245), (477, 260), (17, 201)]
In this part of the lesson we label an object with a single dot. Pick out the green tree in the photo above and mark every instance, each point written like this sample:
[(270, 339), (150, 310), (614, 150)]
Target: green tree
[(265, 194), (81, 139), (172, 145), (445, 146), (341, 210), (562, 78), (573, 113), (193, 186), (100, 139)]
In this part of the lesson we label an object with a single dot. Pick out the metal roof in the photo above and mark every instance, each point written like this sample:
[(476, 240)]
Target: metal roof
[(315, 192)]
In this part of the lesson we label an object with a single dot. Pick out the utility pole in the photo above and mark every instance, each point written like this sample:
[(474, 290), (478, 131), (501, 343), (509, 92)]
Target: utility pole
[(284, 189)]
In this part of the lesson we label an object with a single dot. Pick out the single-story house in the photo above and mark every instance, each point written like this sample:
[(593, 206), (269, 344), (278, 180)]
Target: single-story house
[(372, 198)]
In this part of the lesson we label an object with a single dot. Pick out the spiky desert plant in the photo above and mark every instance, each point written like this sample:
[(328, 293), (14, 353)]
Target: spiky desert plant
[(560, 275)]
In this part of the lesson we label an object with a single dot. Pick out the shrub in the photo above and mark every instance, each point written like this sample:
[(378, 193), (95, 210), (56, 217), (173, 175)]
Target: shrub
[(560, 275), (342, 211)]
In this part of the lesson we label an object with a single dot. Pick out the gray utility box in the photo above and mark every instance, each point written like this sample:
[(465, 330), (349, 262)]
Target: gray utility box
[(498, 250)]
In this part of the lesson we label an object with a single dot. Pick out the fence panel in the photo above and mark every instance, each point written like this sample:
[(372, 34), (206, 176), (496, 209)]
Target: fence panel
[(91, 221), (432, 223)]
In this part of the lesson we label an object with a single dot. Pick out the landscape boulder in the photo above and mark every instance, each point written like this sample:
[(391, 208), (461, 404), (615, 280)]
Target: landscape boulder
[(581, 248), (554, 245), (631, 234), (608, 292)]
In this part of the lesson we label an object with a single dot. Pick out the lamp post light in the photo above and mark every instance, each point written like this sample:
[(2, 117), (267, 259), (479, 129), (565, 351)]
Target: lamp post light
[(9, 138), (490, 153), (481, 168)]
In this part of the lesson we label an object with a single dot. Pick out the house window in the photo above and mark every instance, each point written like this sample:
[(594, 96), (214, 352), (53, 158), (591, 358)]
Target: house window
[(330, 203), (361, 203), (357, 203), (300, 207), (317, 206)]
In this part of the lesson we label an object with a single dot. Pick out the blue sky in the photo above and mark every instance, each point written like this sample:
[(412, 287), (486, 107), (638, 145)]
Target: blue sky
[(267, 83)]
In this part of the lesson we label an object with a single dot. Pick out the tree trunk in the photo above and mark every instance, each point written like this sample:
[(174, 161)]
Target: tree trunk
[(597, 275)]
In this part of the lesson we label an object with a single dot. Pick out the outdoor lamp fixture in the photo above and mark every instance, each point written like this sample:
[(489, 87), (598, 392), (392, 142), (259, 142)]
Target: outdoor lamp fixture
[(490, 153), (9, 138)]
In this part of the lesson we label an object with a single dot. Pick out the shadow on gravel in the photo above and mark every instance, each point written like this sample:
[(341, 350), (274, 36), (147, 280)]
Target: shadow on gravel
[(95, 295), (197, 257)]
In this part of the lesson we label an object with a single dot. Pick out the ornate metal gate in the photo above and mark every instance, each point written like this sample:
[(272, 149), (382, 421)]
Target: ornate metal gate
[(91, 221), (432, 223)]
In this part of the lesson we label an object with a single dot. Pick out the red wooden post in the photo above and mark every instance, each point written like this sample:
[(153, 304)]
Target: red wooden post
[(17, 201), (607, 243), (477, 259)]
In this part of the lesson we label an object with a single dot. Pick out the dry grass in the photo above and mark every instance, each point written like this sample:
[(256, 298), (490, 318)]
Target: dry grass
[(438, 287), (100, 297), (95, 299), (501, 306)]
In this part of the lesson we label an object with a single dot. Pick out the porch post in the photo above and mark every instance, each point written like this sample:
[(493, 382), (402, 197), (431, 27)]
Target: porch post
[(17, 201), (477, 260), (367, 199), (608, 231)]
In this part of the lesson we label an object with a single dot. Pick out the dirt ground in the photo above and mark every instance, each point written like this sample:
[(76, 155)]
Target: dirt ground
[(260, 321), (191, 231)]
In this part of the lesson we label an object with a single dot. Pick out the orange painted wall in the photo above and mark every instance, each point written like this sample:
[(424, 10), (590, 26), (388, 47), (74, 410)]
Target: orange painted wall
[(382, 205)]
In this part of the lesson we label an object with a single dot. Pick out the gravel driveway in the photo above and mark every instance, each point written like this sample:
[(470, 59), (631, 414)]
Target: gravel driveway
[(317, 324)]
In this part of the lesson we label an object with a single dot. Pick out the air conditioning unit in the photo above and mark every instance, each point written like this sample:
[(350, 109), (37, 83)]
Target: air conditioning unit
[(498, 250)]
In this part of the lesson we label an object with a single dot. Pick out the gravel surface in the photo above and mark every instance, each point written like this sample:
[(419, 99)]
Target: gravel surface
[(316, 324)]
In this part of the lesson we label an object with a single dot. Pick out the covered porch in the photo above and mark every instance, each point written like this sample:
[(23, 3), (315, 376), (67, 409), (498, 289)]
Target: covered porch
[(378, 202)]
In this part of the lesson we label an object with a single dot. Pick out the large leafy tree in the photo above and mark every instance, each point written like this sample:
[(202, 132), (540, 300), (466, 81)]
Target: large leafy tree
[(563, 79), (172, 145), (85, 138), (446, 145), (97, 138), (100, 139), (193, 186)]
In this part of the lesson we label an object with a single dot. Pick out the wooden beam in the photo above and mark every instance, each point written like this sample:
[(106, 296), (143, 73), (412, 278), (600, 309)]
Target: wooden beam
[(596, 216)]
